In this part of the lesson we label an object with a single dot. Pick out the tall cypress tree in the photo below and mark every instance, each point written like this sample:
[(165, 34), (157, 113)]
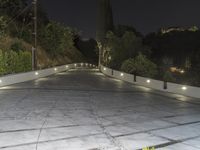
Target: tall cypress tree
[(104, 23)]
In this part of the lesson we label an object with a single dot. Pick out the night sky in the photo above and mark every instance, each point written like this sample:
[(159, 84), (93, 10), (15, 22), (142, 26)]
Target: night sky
[(145, 15)]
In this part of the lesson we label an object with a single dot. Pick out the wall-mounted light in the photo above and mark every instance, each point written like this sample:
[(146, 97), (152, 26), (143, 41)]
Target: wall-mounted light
[(184, 88), (121, 74), (55, 69), (104, 69), (148, 81), (36, 73)]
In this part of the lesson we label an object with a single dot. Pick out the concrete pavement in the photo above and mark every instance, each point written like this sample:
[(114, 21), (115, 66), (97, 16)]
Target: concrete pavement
[(85, 110)]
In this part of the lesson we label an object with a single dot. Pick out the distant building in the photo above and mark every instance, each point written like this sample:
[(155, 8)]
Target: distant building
[(178, 29)]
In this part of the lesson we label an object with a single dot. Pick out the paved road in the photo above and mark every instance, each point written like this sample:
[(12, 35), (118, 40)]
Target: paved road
[(84, 110)]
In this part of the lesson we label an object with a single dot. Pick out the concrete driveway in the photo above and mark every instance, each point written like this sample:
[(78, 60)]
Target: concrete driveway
[(85, 110)]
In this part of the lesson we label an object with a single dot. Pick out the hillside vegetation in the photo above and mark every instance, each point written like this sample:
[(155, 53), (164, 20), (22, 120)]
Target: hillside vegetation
[(56, 44)]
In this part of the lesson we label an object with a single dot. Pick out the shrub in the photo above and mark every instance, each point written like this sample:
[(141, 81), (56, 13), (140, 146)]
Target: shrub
[(140, 65), (17, 46), (13, 62)]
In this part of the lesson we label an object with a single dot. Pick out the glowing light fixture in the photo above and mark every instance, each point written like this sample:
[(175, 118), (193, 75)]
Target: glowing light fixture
[(36, 73), (75, 65), (104, 69), (182, 71), (184, 88), (0, 81), (121, 74), (148, 81), (67, 66), (55, 69)]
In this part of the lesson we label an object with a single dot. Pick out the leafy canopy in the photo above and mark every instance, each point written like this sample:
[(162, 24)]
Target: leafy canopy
[(140, 65)]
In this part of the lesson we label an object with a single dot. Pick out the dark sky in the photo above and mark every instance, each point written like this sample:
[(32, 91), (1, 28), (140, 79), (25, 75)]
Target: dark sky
[(145, 15)]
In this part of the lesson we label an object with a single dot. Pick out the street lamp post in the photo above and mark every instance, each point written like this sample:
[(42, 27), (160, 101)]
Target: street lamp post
[(34, 48)]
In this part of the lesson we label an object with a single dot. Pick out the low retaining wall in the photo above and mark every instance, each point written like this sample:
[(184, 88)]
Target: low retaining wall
[(28, 76), (154, 84)]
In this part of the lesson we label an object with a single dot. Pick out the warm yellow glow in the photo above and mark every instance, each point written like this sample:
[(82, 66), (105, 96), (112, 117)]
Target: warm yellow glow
[(173, 69), (178, 70)]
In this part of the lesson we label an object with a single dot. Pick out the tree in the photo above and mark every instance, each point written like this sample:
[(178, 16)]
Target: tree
[(56, 38), (119, 49), (105, 19), (120, 30), (140, 65), (104, 24), (170, 44), (11, 7)]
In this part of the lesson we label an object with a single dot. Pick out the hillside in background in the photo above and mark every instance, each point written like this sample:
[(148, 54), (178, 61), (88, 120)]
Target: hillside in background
[(56, 44)]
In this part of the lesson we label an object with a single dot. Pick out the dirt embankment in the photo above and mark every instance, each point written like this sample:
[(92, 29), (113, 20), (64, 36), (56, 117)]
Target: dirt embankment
[(44, 59)]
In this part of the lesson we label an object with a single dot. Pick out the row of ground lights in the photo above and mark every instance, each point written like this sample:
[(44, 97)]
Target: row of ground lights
[(148, 81), (55, 69), (184, 88), (75, 65)]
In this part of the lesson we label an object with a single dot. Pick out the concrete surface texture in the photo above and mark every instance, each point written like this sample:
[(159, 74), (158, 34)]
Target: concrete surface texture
[(85, 110)]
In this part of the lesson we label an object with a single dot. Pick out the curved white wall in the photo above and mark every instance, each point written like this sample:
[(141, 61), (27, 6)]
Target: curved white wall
[(23, 77), (154, 84)]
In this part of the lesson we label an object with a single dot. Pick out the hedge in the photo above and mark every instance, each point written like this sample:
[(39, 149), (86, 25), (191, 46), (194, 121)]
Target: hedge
[(14, 62)]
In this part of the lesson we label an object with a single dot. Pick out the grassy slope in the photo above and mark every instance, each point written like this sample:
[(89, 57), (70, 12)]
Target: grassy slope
[(44, 60)]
